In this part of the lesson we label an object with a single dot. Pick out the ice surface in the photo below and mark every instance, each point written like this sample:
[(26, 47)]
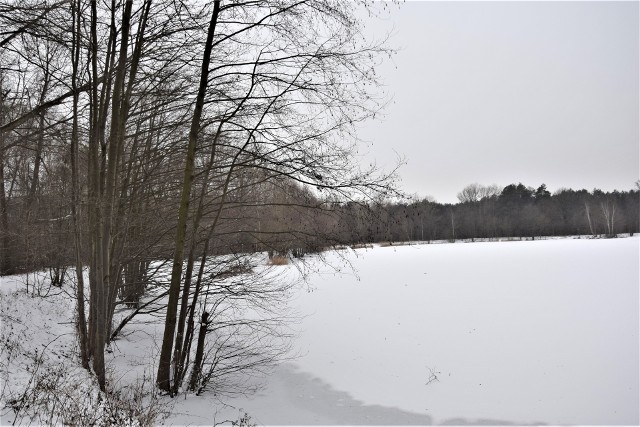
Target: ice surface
[(515, 332)]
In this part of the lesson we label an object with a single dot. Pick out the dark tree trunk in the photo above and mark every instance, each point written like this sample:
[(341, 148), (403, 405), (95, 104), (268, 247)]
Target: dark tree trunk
[(197, 363), (6, 251), (164, 365)]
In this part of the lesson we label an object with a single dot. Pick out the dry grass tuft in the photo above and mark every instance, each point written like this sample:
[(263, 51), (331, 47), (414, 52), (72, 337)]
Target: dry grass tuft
[(278, 260)]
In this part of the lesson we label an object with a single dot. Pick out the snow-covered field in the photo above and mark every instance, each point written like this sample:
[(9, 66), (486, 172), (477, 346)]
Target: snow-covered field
[(465, 333)]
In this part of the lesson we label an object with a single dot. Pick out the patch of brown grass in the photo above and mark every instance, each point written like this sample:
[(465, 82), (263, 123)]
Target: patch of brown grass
[(278, 260)]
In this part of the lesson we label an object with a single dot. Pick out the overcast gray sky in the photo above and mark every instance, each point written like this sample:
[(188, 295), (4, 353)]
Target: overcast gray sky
[(507, 92)]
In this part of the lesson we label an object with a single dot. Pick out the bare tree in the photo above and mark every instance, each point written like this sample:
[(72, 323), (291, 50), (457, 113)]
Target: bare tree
[(587, 211), (97, 120), (608, 208), (163, 377), (285, 80), (476, 192)]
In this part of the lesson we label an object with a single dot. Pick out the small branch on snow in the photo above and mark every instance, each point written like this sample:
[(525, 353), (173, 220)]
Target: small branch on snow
[(433, 376)]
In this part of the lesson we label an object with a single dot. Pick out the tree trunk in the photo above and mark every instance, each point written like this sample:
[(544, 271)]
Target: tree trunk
[(164, 365), (81, 323), (180, 346), (112, 268), (588, 212), (6, 252), (197, 363), (96, 278), (453, 226)]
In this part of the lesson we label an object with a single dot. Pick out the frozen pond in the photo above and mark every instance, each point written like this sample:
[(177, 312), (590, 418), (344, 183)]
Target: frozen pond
[(515, 332)]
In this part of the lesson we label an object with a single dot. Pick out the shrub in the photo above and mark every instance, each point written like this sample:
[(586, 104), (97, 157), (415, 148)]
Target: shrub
[(62, 395)]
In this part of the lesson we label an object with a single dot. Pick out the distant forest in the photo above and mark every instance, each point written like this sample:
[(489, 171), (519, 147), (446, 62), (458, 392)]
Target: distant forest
[(491, 212)]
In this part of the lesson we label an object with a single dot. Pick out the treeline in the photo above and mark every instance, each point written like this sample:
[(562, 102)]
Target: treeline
[(490, 212), (260, 213), (280, 216)]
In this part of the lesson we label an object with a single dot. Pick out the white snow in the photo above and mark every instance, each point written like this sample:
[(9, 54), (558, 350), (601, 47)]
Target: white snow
[(522, 332), (465, 333)]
